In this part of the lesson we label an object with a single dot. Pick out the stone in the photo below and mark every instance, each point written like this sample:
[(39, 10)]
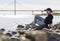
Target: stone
[(36, 36)]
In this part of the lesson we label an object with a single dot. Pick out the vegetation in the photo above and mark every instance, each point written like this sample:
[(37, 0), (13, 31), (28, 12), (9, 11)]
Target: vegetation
[(58, 14)]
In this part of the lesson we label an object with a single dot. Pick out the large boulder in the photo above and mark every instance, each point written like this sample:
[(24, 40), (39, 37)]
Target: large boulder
[(36, 35), (5, 38)]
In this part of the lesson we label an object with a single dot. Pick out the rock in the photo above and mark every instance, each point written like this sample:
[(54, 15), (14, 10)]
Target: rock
[(23, 38), (15, 39), (52, 35), (5, 38), (36, 36), (56, 26), (20, 26)]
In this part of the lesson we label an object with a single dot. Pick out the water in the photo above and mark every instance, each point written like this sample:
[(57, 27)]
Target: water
[(10, 22)]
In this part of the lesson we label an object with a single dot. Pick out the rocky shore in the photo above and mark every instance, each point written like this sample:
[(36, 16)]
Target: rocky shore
[(23, 34)]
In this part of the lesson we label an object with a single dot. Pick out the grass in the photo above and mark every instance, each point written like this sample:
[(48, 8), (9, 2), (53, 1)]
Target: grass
[(58, 14)]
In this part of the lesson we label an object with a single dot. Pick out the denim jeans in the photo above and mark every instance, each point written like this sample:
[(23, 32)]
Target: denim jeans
[(39, 20)]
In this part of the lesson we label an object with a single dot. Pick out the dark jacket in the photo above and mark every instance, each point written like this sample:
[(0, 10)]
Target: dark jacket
[(48, 19)]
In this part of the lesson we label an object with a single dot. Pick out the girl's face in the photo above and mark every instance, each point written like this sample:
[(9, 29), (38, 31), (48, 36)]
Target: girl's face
[(48, 12)]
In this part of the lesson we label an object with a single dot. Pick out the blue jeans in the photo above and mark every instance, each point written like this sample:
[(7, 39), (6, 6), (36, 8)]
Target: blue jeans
[(39, 20)]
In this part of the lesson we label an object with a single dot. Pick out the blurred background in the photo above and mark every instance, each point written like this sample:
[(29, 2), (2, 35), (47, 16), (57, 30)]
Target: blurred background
[(14, 12)]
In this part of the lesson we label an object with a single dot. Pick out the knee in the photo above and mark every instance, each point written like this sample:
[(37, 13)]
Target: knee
[(37, 16)]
